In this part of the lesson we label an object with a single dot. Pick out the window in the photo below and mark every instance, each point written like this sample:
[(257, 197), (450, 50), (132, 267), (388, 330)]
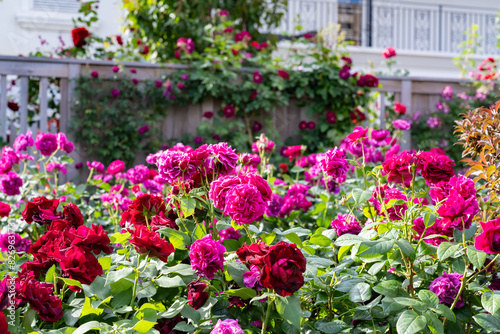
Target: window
[(64, 6)]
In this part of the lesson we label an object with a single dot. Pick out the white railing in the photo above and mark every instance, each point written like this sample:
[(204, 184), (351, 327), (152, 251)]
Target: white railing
[(405, 25)]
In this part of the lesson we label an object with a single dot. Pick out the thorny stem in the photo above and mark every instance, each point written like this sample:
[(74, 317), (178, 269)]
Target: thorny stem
[(268, 313)]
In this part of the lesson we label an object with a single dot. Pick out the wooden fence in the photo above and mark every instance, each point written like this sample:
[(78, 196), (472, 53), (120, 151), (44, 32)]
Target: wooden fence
[(417, 93)]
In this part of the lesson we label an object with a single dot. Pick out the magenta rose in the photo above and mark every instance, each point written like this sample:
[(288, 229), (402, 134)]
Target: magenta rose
[(244, 204), (446, 287), (489, 240), (207, 256)]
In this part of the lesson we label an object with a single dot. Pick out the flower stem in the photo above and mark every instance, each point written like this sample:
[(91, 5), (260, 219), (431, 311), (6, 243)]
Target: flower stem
[(268, 313)]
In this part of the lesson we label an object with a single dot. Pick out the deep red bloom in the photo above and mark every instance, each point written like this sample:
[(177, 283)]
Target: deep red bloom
[(4, 209), (399, 108), (331, 117), (79, 35), (229, 110), (41, 210), (94, 239), (161, 221), (79, 264), (398, 168), (253, 254), (40, 297), (208, 114), (197, 294), (367, 80), (73, 214), (435, 167), (119, 40), (145, 241), (144, 206), (4, 326), (302, 125), (284, 266), (283, 74), (308, 36), (13, 106), (283, 167)]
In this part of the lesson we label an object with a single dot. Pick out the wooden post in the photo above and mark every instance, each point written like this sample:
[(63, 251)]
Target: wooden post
[(44, 86), (406, 96), (3, 107), (23, 104)]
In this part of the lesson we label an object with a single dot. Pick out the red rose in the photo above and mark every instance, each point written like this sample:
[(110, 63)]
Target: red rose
[(197, 294), (435, 167), (489, 240), (283, 167), (79, 35), (13, 106), (4, 209), (119, 40), (283, 74), (283, 269), (143, 207), (161, 221), (253, 254), (94, 239), (399, 108), (73, 214), (293, 151), (79, 264), (39, 296), (145, 241), (166, 326), (41, 210), (4, 326)]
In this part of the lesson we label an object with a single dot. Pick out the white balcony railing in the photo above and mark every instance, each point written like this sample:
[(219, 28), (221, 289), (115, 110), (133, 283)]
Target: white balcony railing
[(405, 25)]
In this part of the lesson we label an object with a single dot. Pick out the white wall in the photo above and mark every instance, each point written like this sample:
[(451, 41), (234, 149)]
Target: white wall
[(21, 25)]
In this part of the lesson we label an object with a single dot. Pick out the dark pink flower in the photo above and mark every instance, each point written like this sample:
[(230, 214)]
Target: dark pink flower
[(244, 204), (257, 77), (346, 224), (46, 143), (389, 52), (398, 168), (229, 111), (207, 256), (446, 287)]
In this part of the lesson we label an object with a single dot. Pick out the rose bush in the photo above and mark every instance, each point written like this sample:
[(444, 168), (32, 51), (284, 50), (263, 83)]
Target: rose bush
[(360, 238)]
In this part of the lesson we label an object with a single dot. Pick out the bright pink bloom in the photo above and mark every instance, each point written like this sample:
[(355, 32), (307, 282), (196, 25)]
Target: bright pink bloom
[(207, 256), (389, 52)]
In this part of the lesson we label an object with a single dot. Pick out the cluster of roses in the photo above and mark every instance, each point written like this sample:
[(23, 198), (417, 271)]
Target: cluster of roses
[(371, 144), (184, 167), (69, 245), (147, 214), (46, 143), (455, 196), (243, 197)]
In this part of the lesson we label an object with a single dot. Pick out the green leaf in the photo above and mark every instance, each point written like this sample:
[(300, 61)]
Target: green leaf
[(361, 292), (435, 325), (105, 263), (170, 282), (49, 276), (72, 282), (178, 239), (188, 205), (87, 327), (468, 233), (243, 293), (488, 322), (348, 240), (343, 252), (490, 302), (429, 298), (236, 271), (375, 248), (406, 247), (376, 267), (294, 238), (410, 322), (143, 326), (445, 312), (320, 240), (477, 257), (361, 196), (115, 276), (331, 327), (429, 219), (98, 288), (416, 304), (447, 249), (289, 309), (390, 288), (174, 309)]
